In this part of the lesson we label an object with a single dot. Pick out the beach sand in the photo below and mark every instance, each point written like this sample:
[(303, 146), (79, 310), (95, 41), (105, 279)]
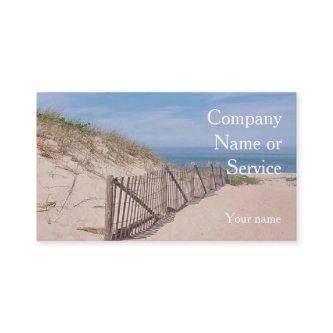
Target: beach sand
[(274, 196), (70, 198), (69, 201)]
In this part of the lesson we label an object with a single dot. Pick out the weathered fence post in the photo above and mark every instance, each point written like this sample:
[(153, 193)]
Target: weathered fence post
[(213, 174), (218, 173), (228, 178), (225, 176), (192, 174), (202, 183), (208, 179), (208, 172), (108, 208), (218, 166), (165, 190)]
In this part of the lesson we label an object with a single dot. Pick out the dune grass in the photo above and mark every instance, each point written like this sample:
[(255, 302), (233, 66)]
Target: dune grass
[(52, 117), (237, 180), (71, 136)]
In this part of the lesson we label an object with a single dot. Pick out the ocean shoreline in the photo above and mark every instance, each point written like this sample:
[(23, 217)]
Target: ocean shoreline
[(184, 156)]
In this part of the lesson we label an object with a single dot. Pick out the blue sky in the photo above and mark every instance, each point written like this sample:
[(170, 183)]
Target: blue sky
[(177, 119)]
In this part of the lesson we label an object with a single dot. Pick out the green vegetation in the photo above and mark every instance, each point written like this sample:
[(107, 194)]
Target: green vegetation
[(52, 117), (291, 181), (237, 180), (59, 135)]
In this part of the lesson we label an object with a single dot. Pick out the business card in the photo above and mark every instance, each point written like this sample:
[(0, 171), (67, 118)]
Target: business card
[(166, 166)]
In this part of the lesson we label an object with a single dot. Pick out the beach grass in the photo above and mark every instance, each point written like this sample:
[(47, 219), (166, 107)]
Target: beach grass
[(70, 135), (237, 180)]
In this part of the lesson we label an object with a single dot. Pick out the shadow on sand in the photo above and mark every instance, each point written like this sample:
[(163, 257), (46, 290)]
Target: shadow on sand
[(168, 218)]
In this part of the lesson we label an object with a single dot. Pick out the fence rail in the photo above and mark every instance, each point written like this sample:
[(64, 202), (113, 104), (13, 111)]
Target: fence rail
[(134, 204)]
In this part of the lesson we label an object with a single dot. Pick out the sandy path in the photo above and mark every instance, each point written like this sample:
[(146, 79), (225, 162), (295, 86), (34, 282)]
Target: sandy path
[(207, 219)]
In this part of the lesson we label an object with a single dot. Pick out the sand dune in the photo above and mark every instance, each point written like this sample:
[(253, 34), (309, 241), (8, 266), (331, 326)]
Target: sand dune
[(72, 164), (70, 197)]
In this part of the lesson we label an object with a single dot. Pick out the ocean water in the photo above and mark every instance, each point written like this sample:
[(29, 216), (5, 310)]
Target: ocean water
[(183, 156)]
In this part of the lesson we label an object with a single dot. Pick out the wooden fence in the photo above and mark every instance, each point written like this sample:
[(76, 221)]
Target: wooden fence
[(134, 204)]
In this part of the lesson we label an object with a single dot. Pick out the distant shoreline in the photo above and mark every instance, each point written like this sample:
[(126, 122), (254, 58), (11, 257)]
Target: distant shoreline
[(183, 156)]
